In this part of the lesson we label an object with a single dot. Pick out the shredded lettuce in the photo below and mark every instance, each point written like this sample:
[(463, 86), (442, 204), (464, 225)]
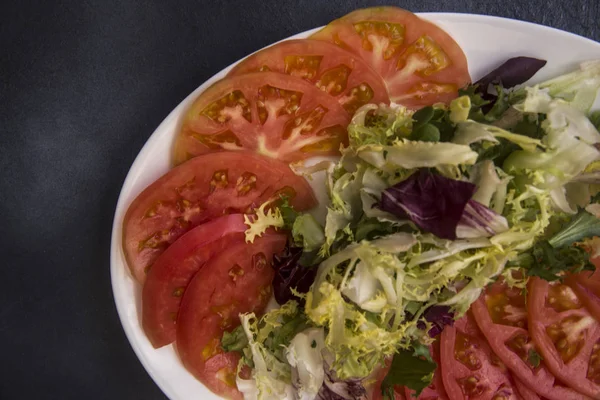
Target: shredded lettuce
[(470, 132)]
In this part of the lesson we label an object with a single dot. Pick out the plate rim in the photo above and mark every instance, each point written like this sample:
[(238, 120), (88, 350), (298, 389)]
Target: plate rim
[(116, 239)]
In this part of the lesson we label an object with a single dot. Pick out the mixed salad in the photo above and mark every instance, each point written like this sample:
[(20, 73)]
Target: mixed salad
[(455, 260)]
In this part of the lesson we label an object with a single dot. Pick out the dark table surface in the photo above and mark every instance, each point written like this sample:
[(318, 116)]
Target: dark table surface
[(83, 85)]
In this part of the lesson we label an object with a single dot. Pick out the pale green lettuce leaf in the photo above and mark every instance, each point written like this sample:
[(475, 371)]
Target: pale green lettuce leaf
[(410, 154), (470, 132), (304, 354), (271, 376), (307, 232)]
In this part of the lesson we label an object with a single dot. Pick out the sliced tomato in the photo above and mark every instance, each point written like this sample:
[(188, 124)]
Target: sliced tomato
[(236, 281), (525, 392), (470, 369), (501, 314), (198, 191), (173, 270), (332, 69), (274, 114), (587, 286), (420, 63), (567, 336)]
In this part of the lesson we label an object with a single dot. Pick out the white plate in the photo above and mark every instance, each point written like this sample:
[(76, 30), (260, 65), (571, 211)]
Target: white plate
[(487, 41)]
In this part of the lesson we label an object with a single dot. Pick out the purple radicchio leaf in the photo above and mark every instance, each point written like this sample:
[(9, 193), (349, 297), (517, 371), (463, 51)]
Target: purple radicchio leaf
[(334, 388), (480, 221), (290, 274), (433, 202), (513, 72), (439, 316)]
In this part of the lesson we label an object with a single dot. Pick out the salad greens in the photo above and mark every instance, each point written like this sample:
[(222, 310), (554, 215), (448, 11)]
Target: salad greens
[(427, 208)]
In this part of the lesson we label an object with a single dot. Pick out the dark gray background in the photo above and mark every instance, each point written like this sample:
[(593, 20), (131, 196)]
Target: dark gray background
[(83, 85)]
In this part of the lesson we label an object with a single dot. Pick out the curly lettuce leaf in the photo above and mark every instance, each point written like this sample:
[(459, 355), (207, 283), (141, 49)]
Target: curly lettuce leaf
[(262, 220)]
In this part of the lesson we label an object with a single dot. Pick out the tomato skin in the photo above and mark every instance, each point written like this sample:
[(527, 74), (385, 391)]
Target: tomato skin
[(525, 392), (274, 114), (315, 61), (199, 191), (587, 286), (542, 316), (173, 270), (236, 281), (389, 53), (539, 379), (478, 371)]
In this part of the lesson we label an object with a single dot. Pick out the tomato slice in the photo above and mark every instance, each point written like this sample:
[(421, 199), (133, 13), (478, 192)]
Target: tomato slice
[(501, 314), (567, 336), (274, 114), (236, 281), (332, 69), (587, 286), (198, 191), (420, 63), (470, 369), (525, 392), (173, 270)]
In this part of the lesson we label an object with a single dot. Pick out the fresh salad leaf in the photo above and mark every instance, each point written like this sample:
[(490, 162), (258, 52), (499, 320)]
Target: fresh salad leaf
[(379, 125), (338, 389), (408, 154), (438, 317), (408, 370), (236, 340), (595, 119), (263, 219), (512, 72), (308, 233), (534, 358), (584, 225), (271, 376), (579, 88), (478, 220), (470, 132), (434, 203), (291, 277), (549, 263), (304, 354)]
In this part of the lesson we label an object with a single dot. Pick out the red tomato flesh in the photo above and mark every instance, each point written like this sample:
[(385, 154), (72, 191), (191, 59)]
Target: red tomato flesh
[(501, 314), (567, 336), (525, 392), (332, 69), (173, 270), (236, 281), (277, 115), (587, 286), (198, 191), (420, 63), (470, 369)]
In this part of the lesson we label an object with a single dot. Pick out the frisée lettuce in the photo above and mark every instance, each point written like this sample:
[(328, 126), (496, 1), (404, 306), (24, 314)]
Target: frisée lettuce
[(426, 209)]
